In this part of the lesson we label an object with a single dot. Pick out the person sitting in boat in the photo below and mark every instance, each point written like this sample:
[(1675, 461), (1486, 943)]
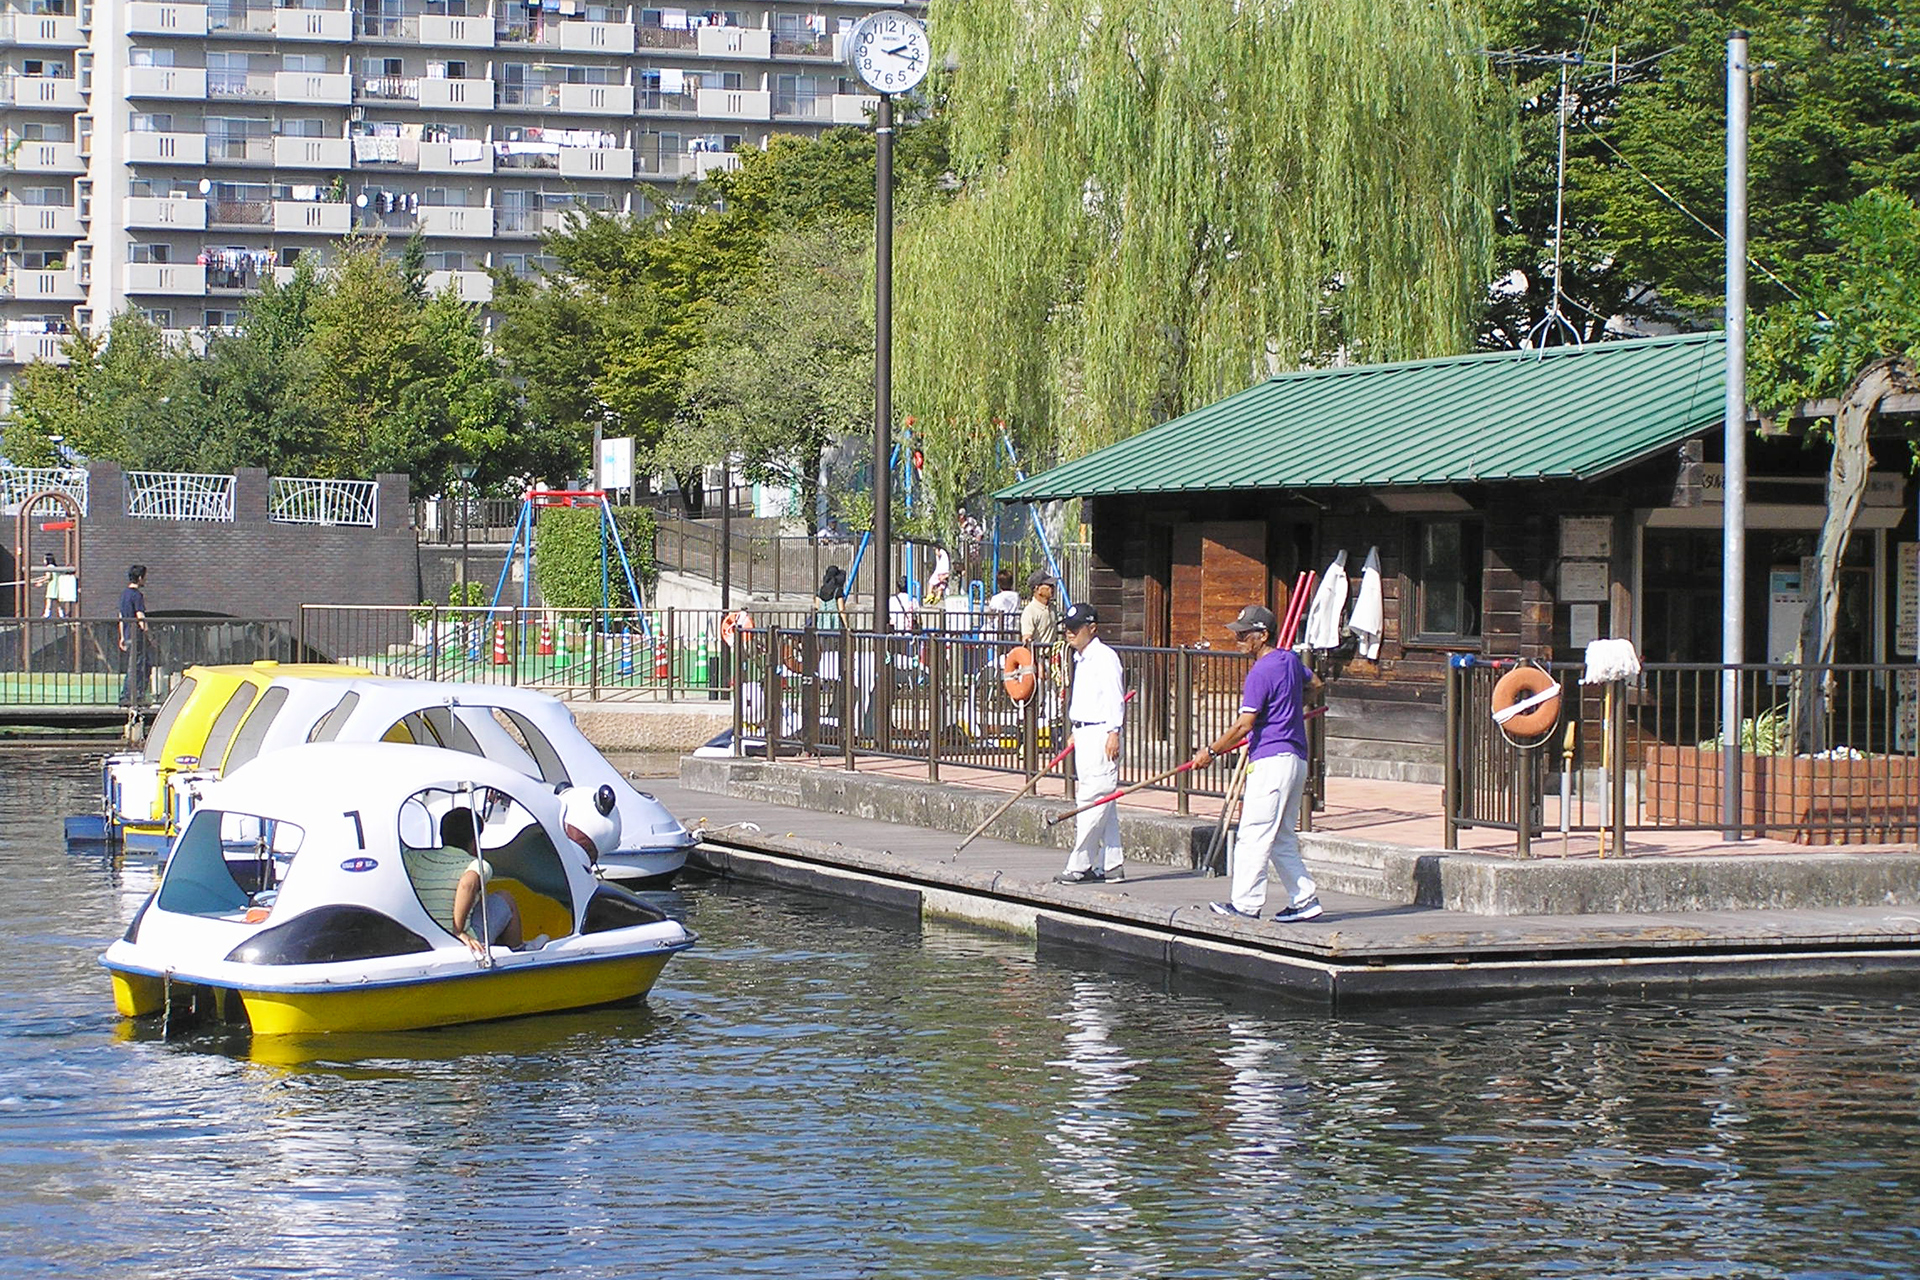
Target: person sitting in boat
[(501, 913)]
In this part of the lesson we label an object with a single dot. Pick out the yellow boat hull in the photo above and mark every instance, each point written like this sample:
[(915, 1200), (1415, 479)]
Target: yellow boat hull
[(479, 996)]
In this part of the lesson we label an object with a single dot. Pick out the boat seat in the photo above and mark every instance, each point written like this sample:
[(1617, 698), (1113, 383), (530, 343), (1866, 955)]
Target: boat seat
[(435, 874)]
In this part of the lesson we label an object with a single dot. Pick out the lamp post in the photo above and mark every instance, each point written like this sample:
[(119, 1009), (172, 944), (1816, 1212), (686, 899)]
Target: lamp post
[(466, 471)]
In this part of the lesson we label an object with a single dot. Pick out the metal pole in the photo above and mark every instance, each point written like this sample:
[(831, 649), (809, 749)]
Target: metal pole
[(726, 533), (882, 362), (1733, 567)]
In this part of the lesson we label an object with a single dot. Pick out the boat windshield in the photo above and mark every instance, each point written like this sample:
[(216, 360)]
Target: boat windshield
[(328, 727), (520, 857), (253, 730), (224, 861), (169, 712)]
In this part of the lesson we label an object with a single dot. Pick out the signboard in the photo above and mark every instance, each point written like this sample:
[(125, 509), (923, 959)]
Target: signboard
[(616, 463), (1586, 537), (1583, 625), (1906, 598), (1884, 488), (1583, 580)]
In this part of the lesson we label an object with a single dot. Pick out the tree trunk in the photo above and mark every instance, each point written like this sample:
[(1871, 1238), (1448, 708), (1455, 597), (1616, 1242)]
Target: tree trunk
[(1846, 485)]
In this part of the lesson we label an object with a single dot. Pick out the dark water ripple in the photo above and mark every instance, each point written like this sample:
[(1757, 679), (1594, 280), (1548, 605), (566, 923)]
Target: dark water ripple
[(814, 1092)]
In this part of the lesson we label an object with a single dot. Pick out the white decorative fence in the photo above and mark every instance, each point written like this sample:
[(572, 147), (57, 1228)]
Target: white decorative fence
[(293, 500), (17, 484), (171, 495)]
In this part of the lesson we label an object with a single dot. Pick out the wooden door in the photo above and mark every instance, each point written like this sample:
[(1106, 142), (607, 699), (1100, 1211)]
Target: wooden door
[(1219, 568)]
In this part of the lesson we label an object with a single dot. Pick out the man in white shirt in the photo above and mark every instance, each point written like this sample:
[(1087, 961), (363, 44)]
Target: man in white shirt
[(1097, 710), (902, 612), (1003, 608)]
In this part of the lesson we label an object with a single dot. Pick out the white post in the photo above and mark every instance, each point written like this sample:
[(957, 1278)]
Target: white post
[(1733, 569)]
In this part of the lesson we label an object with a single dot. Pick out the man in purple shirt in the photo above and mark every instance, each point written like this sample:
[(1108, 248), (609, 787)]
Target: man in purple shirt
[(1273, 722)]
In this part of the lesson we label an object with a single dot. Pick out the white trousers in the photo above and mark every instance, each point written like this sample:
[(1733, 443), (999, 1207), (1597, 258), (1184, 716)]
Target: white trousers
[(1267, 834), (1096, 832)]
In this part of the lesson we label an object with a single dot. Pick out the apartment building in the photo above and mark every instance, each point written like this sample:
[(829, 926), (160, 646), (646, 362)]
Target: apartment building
[(169, 154)]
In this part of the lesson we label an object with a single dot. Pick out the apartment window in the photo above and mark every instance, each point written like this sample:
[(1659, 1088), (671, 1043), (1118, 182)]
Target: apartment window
[(161, 317), (221, 61), (150, 252), (303, 62), (446, 261), (303, 127), (41, 67), (447, 197), (223, 319), (56, 197), (1449, 567), (151, 58), (43, 131), (44, 260), (157, 122), (383, 66), (650, 18)]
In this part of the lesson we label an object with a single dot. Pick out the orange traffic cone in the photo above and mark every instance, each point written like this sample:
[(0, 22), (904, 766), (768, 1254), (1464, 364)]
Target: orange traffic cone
[(545, 648), (499, 644), (660, 670)]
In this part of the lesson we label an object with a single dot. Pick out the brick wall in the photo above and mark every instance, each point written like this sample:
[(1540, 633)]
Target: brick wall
[(249, 567)]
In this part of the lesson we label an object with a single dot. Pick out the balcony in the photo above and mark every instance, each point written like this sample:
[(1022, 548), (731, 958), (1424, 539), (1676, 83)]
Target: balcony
[(315, 88), (166, 213), (591, 99), (229, 85), (665, 38), (146, 18), (313, 24), (591, 37), (460, 33), (40, 220), (226, 148), (45, 91), (179, 279), (706, 162), (19, 347), (440, 157), (240, 213), (45, 30), (529, 224), (469, 286), (166, 148), (668, 103), (735, 104), (167, 82), (733, 42), (456, 95), (314, 217), (854, 108), (455, 220), (312, 153), (825, 48), (596, 162), (45, 157), (246, 22), (389, 89), (48, 286)]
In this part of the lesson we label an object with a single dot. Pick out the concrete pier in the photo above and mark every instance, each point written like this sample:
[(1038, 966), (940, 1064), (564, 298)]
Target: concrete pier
[(1409, 934)]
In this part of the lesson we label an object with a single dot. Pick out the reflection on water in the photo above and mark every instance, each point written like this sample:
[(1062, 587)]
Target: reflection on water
[(814, 1091)]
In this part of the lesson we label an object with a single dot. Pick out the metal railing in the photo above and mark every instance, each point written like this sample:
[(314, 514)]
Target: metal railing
[(1827, 755), (302, 500), (938, 697), (170, 495), (78, 662), (17, 484)]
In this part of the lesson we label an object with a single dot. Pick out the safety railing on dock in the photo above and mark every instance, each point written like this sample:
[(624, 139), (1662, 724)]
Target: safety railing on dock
[(76, 663), (1825, 755)]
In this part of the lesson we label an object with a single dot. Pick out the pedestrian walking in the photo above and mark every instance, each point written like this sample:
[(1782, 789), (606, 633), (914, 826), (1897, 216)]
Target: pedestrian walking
[(133, 636), (1273, 721), (1098, 712)]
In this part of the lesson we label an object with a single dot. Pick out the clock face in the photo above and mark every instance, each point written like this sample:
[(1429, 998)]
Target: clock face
[(889, 51)]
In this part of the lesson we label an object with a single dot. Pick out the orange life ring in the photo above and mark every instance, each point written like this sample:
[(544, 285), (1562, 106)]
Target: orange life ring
[(1535, 694), (734, 623), (1017, 673)]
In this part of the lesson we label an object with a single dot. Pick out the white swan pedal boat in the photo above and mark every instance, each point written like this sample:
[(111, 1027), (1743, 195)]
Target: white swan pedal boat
[(314, 891)]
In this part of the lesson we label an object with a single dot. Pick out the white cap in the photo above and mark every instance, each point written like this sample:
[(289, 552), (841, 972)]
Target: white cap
[(593, 815)]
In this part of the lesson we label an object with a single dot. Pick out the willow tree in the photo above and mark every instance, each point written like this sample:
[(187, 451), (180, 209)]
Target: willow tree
[(1164, 200)]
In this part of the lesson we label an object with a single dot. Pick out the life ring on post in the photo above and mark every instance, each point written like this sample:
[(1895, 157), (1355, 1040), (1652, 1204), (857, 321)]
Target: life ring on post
[(733, 624), (1018, 676), (1526, 702)]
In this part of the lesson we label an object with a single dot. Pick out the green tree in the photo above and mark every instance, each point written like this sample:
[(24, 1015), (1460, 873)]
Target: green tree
[(786, 365), (1165, 199)]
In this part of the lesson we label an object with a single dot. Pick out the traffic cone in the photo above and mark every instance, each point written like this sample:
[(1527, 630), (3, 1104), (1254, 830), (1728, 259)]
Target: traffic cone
[(626, 653), (660, 668), (545, 647), (499, 644), (700, 661), (565, 656)]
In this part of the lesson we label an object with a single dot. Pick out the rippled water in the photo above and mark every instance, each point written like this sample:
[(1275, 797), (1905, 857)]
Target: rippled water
[(814, 1092)]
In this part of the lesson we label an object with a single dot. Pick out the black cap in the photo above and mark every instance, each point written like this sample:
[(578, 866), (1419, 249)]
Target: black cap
[(1079, 616), (1041, 578), (1254, 617)]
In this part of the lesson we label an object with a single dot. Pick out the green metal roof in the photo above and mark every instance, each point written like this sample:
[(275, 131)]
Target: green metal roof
[(1561, 413)]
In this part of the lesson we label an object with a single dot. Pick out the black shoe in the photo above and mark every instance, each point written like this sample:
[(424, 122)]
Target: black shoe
[(1228, 909), (1089, 876), (1308, 910)]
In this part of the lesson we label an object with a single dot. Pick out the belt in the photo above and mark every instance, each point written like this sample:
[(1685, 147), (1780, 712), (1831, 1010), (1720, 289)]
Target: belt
[(1087, 724)]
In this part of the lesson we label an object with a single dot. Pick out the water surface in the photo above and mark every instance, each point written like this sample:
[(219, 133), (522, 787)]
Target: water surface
[(817, 1091)]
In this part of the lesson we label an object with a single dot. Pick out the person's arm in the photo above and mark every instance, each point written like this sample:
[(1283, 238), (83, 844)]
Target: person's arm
[(465, 894), (1235, 735)]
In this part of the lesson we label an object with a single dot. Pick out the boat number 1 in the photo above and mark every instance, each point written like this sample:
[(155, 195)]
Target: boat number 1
[(359, 832)]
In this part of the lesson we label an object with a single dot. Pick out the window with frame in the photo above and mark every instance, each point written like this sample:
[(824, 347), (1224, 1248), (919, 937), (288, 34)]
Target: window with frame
[(1449, 563)]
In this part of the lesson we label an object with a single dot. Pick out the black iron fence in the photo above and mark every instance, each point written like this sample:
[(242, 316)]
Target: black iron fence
[(78, 662), (1824, 755)]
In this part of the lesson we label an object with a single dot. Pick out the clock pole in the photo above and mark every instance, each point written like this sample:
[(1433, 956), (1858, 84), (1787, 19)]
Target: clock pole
[(883, 362)]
